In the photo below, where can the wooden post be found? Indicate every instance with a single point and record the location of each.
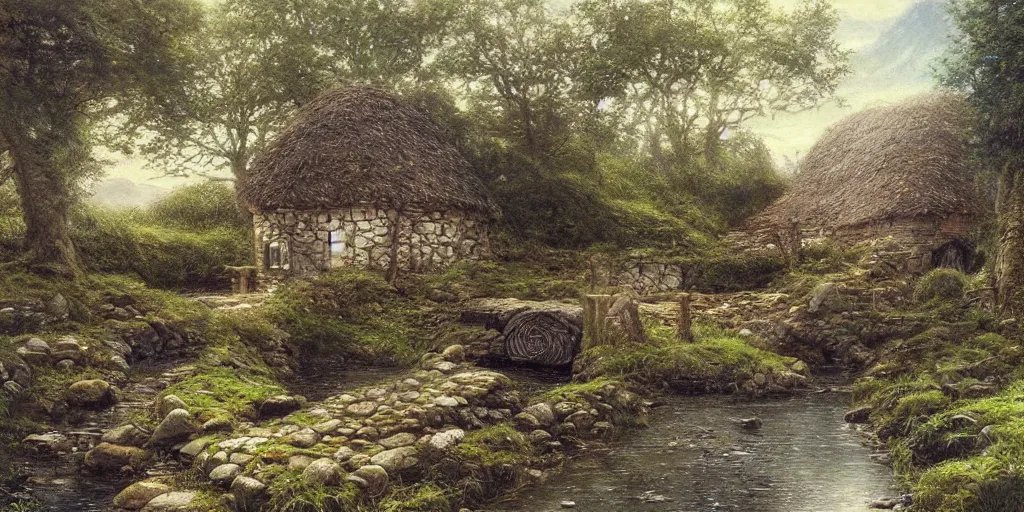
(595, 310)
(684, 328)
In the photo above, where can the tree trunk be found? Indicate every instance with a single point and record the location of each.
(46, 202)
(1010, 261)
(240, 170)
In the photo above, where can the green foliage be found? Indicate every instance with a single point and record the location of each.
(712, 363)
(203, 207)
(290, 493)
(352, 313)
(65, 68)
(941, 284)
(495, 445)
(735, 272)
(121, 242)
(422, 497)
(520, 280)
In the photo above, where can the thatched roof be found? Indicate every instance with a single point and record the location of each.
(902, 161)
(361, 145)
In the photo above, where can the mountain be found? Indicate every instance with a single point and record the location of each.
(904, 54)
(122, 192)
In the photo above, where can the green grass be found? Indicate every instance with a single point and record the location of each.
(715, 360)
(422, 497)
(289, 493)
(355, 314)
(495, 445)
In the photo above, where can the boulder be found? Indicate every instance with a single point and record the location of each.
(107, 457)
(32, 357)
(447, 439)
(225, 474)
(176, 426)
(372, 478)
(37, 345)
(120, 363)
(362, 408)
(299, 462)
(218, 424)
(126, 435)
(177, 501)
(322, 472)
(92, 393)
(526, 421)
(58, 307)
(139, 494)
(343, 454)
(396, 460)
(543, 412)
(249, 492)
(167, 403)
(194, 448)
(49, 444)
(305, 438)
(398, 440)
(280, 405)
(454, 353)
(860, 415)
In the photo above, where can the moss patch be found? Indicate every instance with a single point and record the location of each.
(713, 362)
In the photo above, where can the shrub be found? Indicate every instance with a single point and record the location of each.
(942, 284)
(732, 273)
(118, 241)
(352, 313)
(199, 207)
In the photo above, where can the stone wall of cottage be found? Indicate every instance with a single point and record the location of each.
(363, 237)
(922, 233)
(647, 277)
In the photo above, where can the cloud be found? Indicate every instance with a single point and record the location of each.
(861, 9)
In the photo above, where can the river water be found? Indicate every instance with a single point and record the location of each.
(694, 457)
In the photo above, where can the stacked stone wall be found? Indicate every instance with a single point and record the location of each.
(647, 277)
(923, 233)
(365, 237)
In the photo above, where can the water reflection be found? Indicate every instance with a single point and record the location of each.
(696, 458)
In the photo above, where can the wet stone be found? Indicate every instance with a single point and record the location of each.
(398, 440)
(362, 408)
(225, 474)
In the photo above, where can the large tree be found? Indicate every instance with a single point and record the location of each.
(684, 73)
(262, 59)
(513, 59)
(64, 65)
(987, 64)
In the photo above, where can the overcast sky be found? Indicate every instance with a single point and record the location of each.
(787, 136)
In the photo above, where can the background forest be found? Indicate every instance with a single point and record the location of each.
(616, 123)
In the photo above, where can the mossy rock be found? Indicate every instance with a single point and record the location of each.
(941, 284)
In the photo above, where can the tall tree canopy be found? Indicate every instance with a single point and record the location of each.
(261, 59)
(987, 64)
(64, 65)
(685, 72)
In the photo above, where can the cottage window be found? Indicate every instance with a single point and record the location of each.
(339, 249)
(274, 254)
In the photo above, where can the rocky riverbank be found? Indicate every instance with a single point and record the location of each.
(465, 432)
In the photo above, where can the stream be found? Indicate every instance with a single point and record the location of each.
(695, 458)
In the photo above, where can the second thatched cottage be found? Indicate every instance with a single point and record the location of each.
(900, 171)
(360, 178)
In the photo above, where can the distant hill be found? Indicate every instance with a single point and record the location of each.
(905, 53)
(122, 192)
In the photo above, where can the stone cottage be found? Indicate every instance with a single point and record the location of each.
(899, 171)
(360, 178)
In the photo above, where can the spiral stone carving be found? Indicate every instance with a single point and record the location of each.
(543, 338)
